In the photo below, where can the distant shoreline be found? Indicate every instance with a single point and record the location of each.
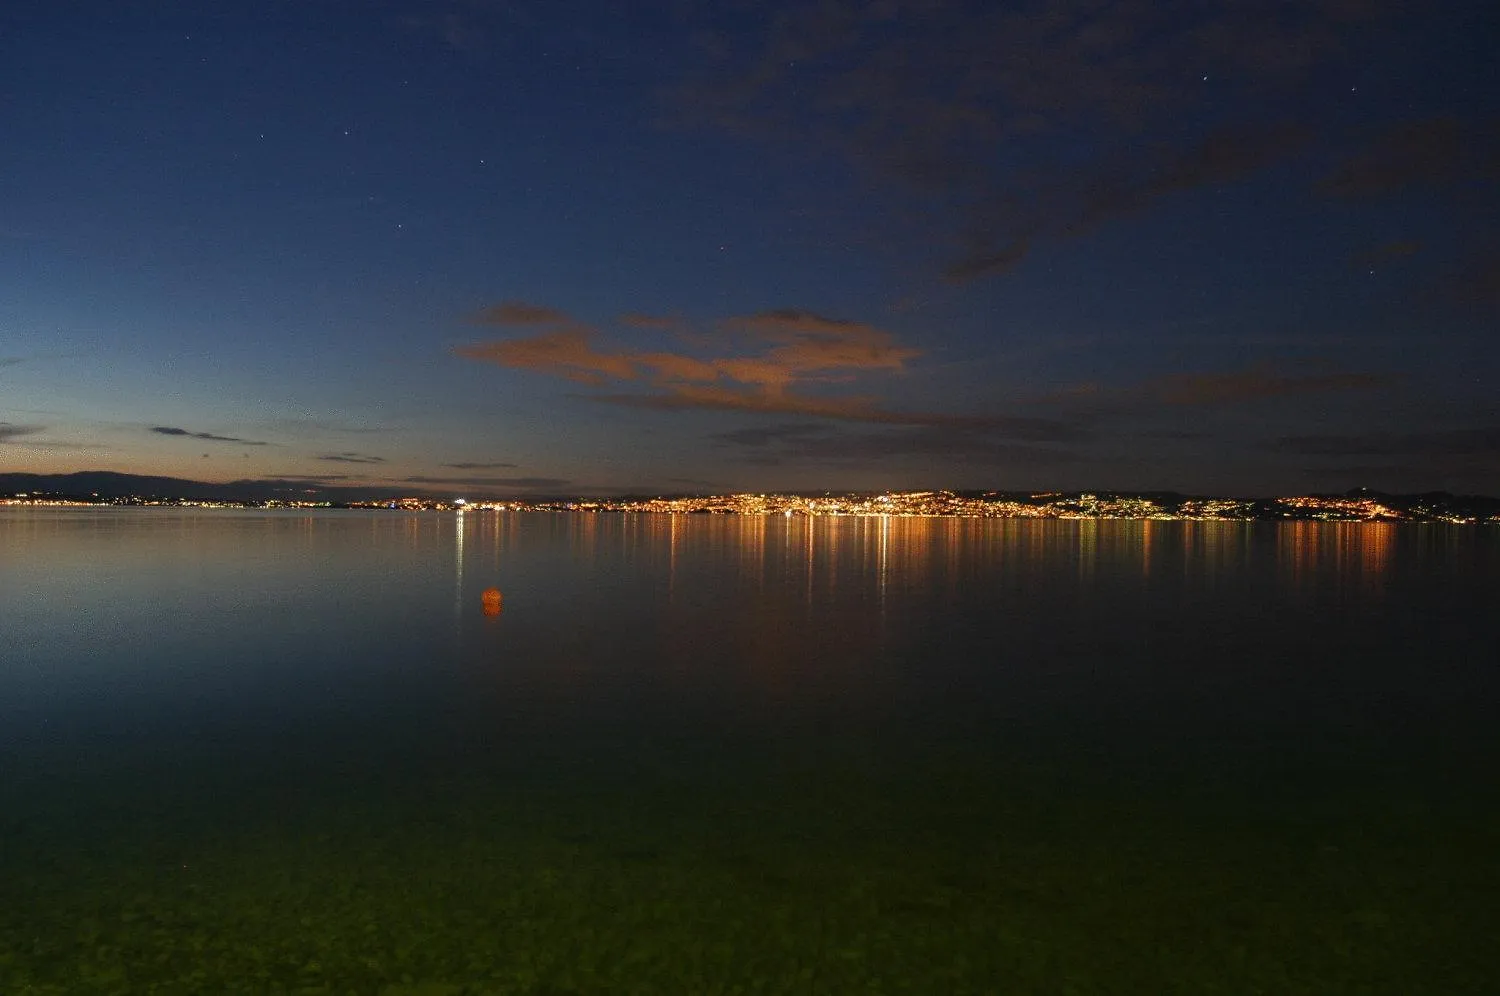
(1057, 506)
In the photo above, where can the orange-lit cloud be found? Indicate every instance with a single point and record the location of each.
(731, 399)
(797, 348)
(812, 343)
(562, 354)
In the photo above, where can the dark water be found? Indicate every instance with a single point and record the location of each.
(250, 752)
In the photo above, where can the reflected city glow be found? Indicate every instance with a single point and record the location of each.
(800, 612)
(793, 611)
(1311, 551)
(458, 562)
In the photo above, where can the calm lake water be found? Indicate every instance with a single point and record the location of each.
(288, 752)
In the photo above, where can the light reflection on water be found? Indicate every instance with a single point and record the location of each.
(170, 613)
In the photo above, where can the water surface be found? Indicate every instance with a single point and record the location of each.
(266, 752)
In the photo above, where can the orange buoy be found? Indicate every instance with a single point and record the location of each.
(491, 600)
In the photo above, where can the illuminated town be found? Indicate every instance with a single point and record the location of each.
(1352, 507)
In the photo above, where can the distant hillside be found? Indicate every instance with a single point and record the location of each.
(107, 484)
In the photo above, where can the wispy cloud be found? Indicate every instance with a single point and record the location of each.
(1003, 229)
(314, 478)
(795, 442)
(1446, 442)
(351, 458)
(169, 430)
(502, 482)
(762, 435)
(1254, 385)
(963, 102)
(479, 466)
(852, 410)
(9, 431)
(1432, 152)
(1212, 388)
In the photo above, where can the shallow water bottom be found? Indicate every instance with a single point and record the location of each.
(810, 865)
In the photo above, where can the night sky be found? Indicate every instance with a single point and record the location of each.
(1239, 246)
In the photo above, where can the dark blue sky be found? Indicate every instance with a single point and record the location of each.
(488, 247)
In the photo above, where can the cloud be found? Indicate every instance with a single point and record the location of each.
(848, 409)
(314, 478)
(1208, 389)
(169, 430)
(803, 442)
(932, 73)
(1254, 385)
(971, 107)
(1448, 442)
(1433, 152)
(1172, 435)
(762, 435)
(788, 348)
(811, 343)
(478, 466)
(11, 361)
(9, 431)
(806, 344)
(711, 397)
(519, 313)
(352, 458)
(984, 259)
(507, 482)
(1003, 230)
(562, 354)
